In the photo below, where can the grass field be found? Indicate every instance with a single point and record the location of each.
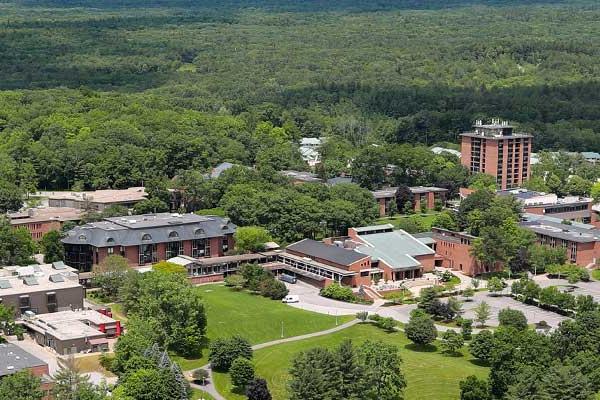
(91, 363)
(430, 374)
(596, 274)
(201, 395)
(256, 318)
(425, 219)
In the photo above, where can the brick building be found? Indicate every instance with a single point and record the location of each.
(495, 149)
(580, 241)
(453, 250)
(325, 263)
(421, 197)
(40, 288)
(147, 239)
(397, 254)
(367, 254)
(39, 221)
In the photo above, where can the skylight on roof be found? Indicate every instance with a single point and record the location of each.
(57, 278)
(4, 284)
(30, 281)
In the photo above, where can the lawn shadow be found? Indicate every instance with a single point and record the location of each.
(479, 363)
(427, 348)
(454, 354)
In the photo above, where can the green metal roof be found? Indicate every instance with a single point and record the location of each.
(396, 248)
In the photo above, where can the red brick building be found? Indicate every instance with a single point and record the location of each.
(397, 254)
(39, 221)
(325, 264)
(581, 242)
(453, 250)
(421, 197)
(369, 254)
(495, 149)
(147, 239)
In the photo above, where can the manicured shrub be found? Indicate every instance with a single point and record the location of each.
(224, 351)
(512, 318)
(420, 329)
(273, 289)
(452, 341)
(241, 372)
(482, 345)
(338, 292)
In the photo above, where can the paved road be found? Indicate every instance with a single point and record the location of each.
(212, 390)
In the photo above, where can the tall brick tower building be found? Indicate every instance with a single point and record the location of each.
(495, 149)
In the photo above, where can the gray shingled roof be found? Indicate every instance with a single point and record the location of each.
(149, 228)
(13, 359)
(338, 255)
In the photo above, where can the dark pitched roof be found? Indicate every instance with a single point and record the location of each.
(314, 249)
(150, 228)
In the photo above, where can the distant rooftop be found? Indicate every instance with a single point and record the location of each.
(15, 280)
(391, 191)
(497, 129)
(44, 214)
(14, 359)
(440, 150)
(106, 196)
(219, 169)
(339, 180)
(300, 176)
(310, 141)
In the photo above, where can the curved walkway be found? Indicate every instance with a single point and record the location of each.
(212, 390)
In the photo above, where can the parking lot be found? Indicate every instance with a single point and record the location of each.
(310, 300)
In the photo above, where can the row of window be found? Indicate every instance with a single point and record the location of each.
(25, 303)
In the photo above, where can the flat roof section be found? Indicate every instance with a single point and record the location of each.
(45, 214)
(25, 280)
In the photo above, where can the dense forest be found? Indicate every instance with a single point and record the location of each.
(112, 95)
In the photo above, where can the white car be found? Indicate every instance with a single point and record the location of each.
(290, 299)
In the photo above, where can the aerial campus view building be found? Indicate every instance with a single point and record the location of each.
(147, 239)
(496, 149)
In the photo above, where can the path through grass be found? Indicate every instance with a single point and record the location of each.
(430, 374)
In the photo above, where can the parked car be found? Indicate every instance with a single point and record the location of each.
(290, 298)
(287, 278)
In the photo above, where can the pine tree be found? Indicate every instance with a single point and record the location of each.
(351, 372)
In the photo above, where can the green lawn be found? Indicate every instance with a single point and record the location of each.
(198, 394)
(429, 374)
(596, 274)
(425, 219)
(256, 318)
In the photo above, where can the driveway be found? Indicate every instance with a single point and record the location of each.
(311, 301)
